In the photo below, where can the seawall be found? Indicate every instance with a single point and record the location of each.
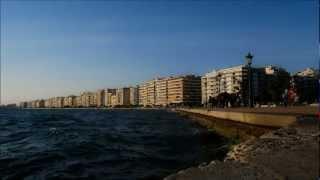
(289, 153)
(284, 150)
(268, 117)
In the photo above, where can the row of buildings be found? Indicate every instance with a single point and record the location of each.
(270, 84)
(267, 85)
(178, 90)
(235, 81)
(126, 96)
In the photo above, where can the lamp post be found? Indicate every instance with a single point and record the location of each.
(249, 58)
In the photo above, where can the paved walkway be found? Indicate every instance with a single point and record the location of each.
(295, 110)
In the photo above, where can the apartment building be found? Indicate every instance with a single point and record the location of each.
(58, 102)
(70, 101)
(161, 92)
(101, 98)
(151, 92)
(179, 90)
(88, 99)
(134, 96)
(234, 80)
(175, 90)
(308, 72)
(147, 93)
(231, 80)
(66, 102)
(114, 100)
(184, 90)
(48, 103)
(142, 94)
(108, 96)
(29, 104)
(34, 104)
(78, 102)
(39, 103)
(123, 96)
(23, 104)
(306, 84)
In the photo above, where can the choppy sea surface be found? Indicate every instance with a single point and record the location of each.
(101, 144)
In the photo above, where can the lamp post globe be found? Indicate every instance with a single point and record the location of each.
(249, 58)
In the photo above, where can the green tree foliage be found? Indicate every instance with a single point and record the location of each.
(276, 85)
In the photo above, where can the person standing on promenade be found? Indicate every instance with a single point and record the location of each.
(285, 97)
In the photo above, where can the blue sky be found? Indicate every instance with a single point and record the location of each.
(57, 48)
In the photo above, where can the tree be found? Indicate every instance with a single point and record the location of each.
(276, 84)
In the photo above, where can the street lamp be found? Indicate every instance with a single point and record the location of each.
(249, 58)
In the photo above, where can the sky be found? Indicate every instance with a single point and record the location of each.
(59, 47)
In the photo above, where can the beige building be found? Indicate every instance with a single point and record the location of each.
(48, 103)
(151, 92)
(114, 100)
(123, 96)
(29, 104)
(235, 80)
(33, 104)
(36, 104)
(108, 96)
(88, 99)
(308, 72)
(70, 101)
(58, 102)
(101, 98)
(40, 103)
(52, 102)
(306, 85)
(228, 80)
(184, 90)
(179, 90)
(162, 92)
(78, 102)
(147, 93)
(66, 102)
(175, 90)
(23, 104)
(134, 96)
(142, 94)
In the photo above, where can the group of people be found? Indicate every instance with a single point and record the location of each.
(224, 100)
(290, 97)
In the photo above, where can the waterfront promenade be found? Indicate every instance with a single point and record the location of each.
(269, 117)
(291, 110)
